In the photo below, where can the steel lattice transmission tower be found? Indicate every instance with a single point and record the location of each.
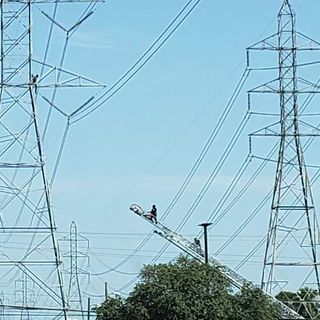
(290, 259)
(25, 207)
(74, 292)
(77, 256)
(31, 276)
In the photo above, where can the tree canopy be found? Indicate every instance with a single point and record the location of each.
(187, 290)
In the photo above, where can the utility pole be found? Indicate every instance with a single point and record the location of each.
(205, 226)
(89, 308)
(105, 291)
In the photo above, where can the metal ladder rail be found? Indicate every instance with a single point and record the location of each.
(190, 248)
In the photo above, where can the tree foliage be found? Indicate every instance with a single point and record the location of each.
(252, 304)
(187, 290)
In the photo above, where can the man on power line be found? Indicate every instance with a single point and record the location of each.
(34, 80)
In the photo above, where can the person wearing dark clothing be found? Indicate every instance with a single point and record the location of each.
(197, 242)
(153, 213)
(34, 80)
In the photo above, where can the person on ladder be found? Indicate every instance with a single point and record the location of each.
(153, 214)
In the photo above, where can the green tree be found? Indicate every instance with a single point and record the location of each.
(187, 290)
(112, 309)
(119, 309)
(252, 304)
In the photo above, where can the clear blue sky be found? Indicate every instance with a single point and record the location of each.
(139, 146)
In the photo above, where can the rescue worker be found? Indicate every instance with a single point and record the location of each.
(197, 242)
(34, 80)
(153, 213)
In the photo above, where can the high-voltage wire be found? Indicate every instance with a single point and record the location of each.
(215, 217)
(61, 62)
(215, 171)
(307, 145)
(248, 220)
(305, 104)
(129, 257)
(262, 241)
(203, 153)
(140, 63)
(208, 143)
(68, 34)
(113, 269)
(200, 158)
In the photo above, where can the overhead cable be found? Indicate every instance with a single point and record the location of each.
(140, 63)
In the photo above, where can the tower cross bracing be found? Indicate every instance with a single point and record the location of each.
(291, 260)
(31, 271)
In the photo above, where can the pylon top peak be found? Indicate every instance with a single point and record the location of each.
(286, 8)
(286, 3)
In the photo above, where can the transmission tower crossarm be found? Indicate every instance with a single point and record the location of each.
(196, 252)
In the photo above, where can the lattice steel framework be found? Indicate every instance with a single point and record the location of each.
(31, 275)
(290, 259)
(77, 255)
(25, 206)
(74, 292)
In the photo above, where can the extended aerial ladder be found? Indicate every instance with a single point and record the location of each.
(196, 252)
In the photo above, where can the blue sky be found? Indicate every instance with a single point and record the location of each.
(140, 145)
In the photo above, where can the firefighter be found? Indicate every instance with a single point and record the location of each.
(153, 213)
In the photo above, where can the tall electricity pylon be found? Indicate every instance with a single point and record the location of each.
(77, 254)
(25, 208)
(290, 259)
(74, 292)
(29, 252)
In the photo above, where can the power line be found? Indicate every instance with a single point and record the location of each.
(199, 160)
(183, 14)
